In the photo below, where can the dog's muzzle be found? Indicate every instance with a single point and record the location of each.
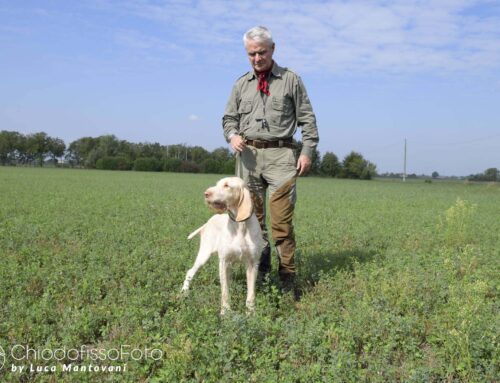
(218, 206)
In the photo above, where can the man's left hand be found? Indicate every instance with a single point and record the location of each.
(303, 164)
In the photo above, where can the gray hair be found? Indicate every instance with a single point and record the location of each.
(258, 34)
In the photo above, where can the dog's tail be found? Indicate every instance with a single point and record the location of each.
(197, 231)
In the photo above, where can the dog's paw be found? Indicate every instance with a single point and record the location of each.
(184, 292)
(250, 308)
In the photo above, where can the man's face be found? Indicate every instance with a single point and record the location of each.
(260, 55)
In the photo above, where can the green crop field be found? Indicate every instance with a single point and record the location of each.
(400, 281)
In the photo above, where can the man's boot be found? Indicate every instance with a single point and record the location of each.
(289, 285)
(265, 264)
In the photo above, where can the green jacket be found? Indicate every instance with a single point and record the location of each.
(256, 116)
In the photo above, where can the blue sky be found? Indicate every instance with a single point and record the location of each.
(377, 72)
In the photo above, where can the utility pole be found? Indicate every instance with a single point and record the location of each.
(404, 165)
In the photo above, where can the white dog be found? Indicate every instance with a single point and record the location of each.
(234, 236)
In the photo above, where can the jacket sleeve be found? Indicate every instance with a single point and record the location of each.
(306, 119)
(231, 118)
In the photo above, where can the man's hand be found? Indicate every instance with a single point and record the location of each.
(237, 143)
(303, 164)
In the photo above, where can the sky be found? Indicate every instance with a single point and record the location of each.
(377, 72)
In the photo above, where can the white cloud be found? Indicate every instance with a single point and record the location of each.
(336, 36)
(151, 47)
(193, 117)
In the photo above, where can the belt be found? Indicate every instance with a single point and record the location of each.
(261, 144)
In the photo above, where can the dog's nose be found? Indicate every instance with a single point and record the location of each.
(207, 194)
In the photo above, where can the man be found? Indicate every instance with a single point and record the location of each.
(262, 114)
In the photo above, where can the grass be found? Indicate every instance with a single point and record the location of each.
(401, 281)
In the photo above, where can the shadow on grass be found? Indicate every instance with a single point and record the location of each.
(313, 266)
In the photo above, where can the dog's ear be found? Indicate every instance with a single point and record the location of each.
(245, 209)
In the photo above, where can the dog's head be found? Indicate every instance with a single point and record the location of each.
(230, 194)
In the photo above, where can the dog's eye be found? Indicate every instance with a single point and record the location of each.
(226, 186)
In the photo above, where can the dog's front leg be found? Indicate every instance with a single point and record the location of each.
(224, 275)
(202, 258)
(251, 278)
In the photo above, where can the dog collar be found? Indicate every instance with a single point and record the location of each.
(233, 218)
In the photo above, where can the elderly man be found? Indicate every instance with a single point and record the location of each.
(265, 107)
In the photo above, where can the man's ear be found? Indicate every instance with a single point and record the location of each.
(244, 206)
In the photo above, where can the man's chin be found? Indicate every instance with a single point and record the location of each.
(260, 69)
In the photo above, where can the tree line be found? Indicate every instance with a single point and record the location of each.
(110, 153)
(489, 175)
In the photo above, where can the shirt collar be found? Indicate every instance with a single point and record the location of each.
(276, 71)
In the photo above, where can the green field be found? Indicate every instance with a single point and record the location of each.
(401, 282)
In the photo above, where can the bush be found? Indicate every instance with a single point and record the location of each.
(172, 165)
(113, 163)
(212, 166)
(147, 164)
(229, 166)
(189, 167)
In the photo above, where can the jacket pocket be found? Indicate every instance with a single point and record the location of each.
(244, 110)
(282, 109)
(245, 106)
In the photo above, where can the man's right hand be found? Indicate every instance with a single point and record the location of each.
(237, 143)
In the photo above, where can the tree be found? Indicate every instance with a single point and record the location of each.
(221, 154)
(11, 146)
(177, 151)
(198, 154)
(330, 165)
(148, 150)
(78, 151)
(435, 174)
(492, 174)
(56, 148)
(315, 158)
(355, 166)
(107, 146)
(128, 150)
(37, 147)
(489, 175)
(219, 162)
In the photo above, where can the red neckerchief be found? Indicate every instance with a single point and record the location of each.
(263, 84)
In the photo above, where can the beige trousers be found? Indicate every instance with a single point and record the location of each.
(272, 169)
